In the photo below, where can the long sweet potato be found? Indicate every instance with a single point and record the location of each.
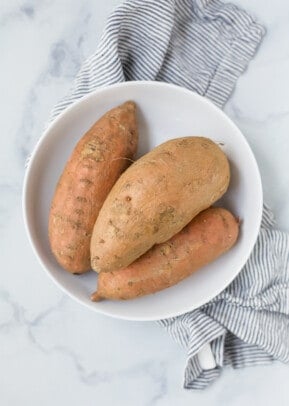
(155, 198)
(209, 235)
(97, 161)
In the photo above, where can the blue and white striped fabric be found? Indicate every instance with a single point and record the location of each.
(248, 323)
(203, 45)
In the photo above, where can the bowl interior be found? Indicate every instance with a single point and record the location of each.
(164, 112)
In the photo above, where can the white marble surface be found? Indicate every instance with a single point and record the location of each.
(53, 351)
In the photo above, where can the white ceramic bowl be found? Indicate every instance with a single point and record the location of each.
(165, 111)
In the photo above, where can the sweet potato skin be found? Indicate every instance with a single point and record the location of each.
(97, 161)
(210, 234)
(155, 198)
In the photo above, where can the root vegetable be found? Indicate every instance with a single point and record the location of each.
(155, 198)
(209, 235)
(97, 161)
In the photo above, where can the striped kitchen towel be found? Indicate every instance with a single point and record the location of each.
(203, 45)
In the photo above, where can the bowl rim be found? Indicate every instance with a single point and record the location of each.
(29, 171)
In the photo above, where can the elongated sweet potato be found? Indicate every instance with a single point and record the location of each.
(210, 234)
(97, 161)
(155, 198)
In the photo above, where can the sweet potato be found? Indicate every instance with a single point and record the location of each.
(206, 237)
(97, 161)
(155, 198)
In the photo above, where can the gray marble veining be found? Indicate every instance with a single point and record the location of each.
(53, 351)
